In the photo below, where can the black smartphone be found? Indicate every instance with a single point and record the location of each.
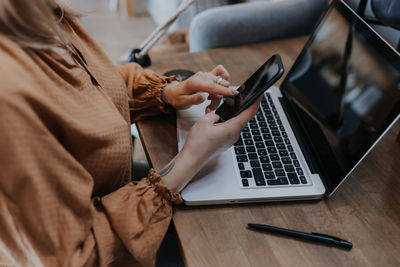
(250, 90)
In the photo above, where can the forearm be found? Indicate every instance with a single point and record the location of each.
(178, 173)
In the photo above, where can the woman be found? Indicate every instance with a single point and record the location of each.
(65, 193)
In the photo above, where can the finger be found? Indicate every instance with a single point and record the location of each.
(224, 83)
(221, 71)
(239, 122)
(215, 77)
(211, 117)
(217, 89)
(194, 99)
(215, 102)
(205, 82)
(211, 96)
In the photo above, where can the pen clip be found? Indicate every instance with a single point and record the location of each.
(329, 236)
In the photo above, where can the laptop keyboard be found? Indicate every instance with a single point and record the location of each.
(264, 154)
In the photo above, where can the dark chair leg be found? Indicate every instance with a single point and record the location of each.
(140, 169)
(170, 252)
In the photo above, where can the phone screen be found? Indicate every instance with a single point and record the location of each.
(250, 90)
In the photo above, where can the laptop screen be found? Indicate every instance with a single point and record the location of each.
(344, 90)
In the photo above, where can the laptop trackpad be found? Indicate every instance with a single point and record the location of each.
(216, 179)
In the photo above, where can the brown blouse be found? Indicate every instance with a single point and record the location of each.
(65, 159)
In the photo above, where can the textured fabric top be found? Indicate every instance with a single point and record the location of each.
(65, 158)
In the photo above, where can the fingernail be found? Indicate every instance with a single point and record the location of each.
(208, 110)
(234, 92)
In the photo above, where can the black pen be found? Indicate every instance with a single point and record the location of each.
(316, 237)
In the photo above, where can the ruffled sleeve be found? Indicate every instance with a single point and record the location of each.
(140, 215)
(144, 91)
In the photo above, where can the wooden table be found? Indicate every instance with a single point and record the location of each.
(365, 210)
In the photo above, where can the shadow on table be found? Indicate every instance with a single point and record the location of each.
(170, 253)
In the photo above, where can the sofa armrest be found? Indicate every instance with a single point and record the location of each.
(253, 22)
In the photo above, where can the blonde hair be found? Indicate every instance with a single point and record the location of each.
(36, 24)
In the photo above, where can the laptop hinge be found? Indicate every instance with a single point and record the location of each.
(302, 140)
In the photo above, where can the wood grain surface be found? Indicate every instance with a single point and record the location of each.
(365, 210)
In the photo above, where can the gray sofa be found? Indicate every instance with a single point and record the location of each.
(391, 34)
(161, 10)
(264, 20)
(252, 22)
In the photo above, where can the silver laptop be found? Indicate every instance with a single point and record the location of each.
(340, 97)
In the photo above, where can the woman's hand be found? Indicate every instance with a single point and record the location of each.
(205, 139)
(182, 95)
